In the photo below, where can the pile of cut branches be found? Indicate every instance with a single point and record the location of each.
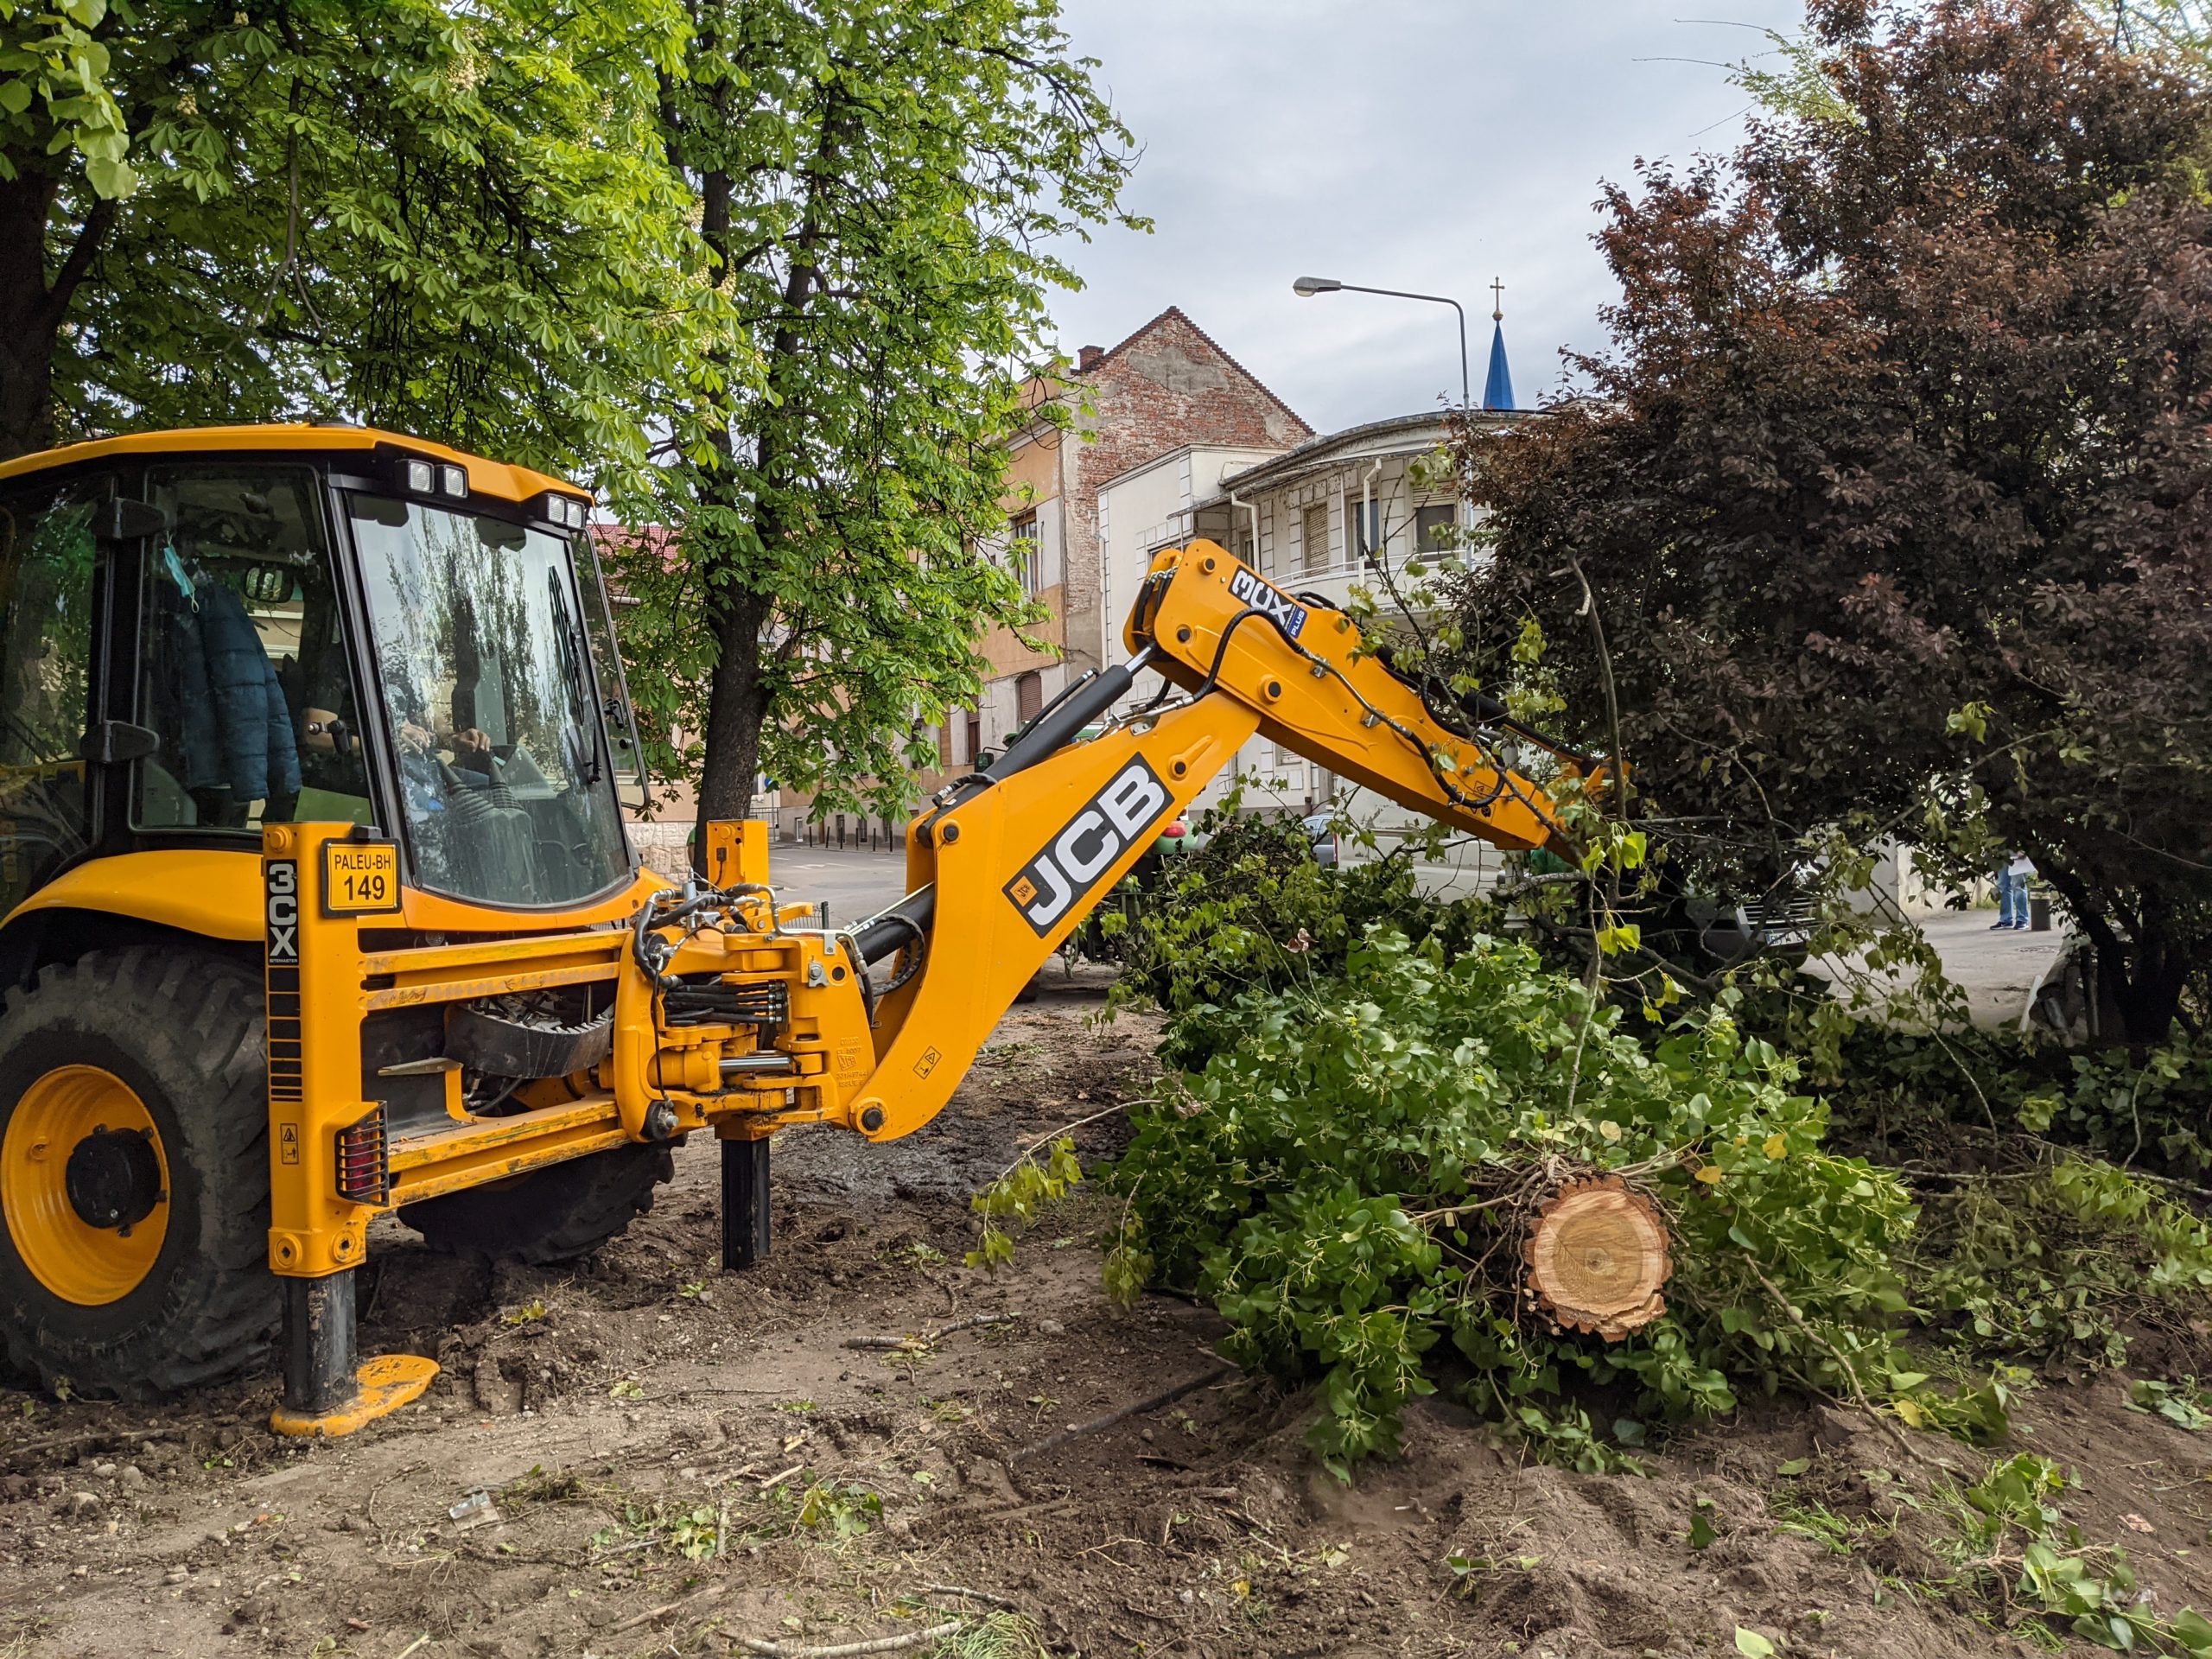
(1354, 1175)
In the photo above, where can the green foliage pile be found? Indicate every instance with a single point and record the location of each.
(2058, 1265)
(1250, 910)
(2011, 1518)
(1353, 1170)
(2149, 1108)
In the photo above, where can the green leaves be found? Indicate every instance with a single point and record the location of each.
(879, 188)
(1354, 1166)
(54, 95)
(459, 222)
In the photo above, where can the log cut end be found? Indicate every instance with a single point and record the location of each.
(1597, 1257)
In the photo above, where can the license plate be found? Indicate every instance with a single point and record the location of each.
(360, 878)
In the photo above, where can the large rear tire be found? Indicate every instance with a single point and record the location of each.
(134, 1174)
(554, 1214)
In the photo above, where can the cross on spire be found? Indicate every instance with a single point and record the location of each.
(1498, 300)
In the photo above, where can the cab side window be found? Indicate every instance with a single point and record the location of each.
(48, 552)
(243, 677)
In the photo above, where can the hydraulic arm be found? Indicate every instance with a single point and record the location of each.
(1006, 862)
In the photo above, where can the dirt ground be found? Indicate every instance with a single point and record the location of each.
(641, 1455)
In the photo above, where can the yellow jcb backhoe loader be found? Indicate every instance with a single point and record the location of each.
(318, 904)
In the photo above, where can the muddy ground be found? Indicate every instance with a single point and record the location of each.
(640, 1455)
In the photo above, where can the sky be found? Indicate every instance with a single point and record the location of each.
(1433, 145)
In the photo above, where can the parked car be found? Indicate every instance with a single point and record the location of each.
(1322, 836)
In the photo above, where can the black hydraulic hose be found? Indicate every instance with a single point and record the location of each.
(906, 922)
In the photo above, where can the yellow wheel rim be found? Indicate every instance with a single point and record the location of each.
(80, 1111)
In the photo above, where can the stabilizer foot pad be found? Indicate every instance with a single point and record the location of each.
(386, 1383)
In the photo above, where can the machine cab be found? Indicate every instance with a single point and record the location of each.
(203, 633)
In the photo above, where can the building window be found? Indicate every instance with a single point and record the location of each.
(1435, 528)
(1027, 557)
(1363, 528)
(1028, 697)
(973, 724)
(1314, 551)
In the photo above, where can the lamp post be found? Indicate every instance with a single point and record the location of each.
(1306, 287)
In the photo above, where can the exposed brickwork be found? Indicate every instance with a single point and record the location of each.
(1167, 384)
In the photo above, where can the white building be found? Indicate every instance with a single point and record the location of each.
(1336, 512)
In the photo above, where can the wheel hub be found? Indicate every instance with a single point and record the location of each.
(85, 1185)
(113, 1179)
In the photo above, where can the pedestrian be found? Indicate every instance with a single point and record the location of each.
(2012, 877)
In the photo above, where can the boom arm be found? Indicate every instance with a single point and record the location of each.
(1217, 628)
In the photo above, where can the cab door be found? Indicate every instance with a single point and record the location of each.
(52, 567)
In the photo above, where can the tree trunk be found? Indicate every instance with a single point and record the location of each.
(29, 322)
(2147, 987)
(2141, 966)
(737, 702)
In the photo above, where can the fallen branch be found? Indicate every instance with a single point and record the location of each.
(1165, 1398)
(973, 1595)
(712, 1593)
(921, 1342)
(83, 1437)
(771, 1649)
(1850, 1373)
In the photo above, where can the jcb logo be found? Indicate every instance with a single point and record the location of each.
(1288, 614)
(283, 910)
(1069, 865)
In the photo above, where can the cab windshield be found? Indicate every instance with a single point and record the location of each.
(479, 646)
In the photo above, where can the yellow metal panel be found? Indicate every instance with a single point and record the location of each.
(429, 912)
(557, 1126)
(383, 1386)
(492, 478)
(215, 894)
(441, 959)
(1017, 866)
(468, 990)
(737, 852)
(312, 965)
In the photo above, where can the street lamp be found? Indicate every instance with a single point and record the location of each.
(1306, 287)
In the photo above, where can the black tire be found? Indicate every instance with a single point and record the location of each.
(554, 1214)
(183, 1028)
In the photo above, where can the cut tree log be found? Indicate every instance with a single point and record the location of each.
(1596, 1256)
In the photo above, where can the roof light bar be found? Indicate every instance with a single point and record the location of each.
(566, 511)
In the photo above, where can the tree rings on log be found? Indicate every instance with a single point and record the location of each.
(1596, 1256)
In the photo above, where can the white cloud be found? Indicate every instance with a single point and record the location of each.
(1423, 144)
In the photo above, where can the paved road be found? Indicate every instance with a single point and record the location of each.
(856, 884)
(1995, 970)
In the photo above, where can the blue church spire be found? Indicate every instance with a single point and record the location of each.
(1497, 390)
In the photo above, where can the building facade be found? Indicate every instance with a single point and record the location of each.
(1156, 421)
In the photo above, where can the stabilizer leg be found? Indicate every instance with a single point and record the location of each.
(745, 1203)
(328, 1388)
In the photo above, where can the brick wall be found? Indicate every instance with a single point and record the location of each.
(1165, 386)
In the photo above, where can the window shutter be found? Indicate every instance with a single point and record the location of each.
(1315, 553)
